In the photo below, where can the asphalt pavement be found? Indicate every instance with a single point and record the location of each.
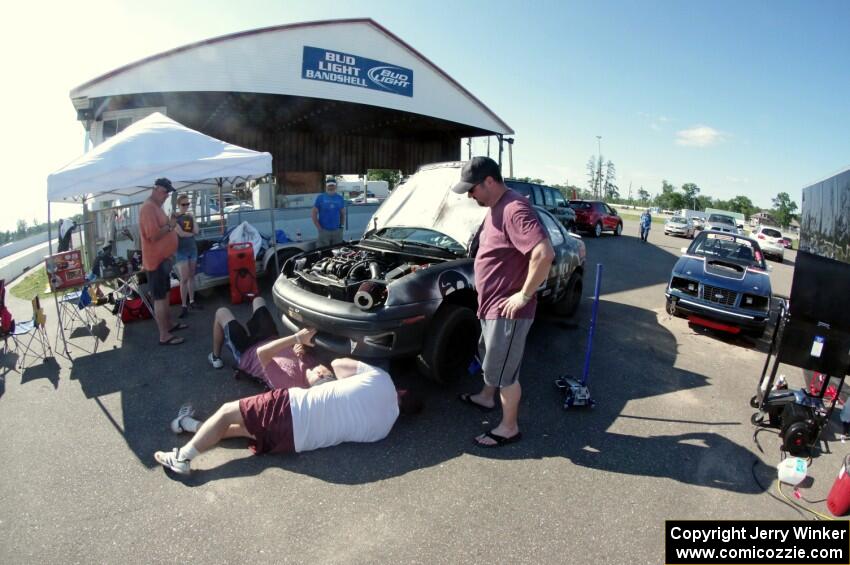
(669, 438)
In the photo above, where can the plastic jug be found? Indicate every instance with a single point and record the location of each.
(792, 470)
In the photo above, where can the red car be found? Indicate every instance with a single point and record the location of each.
(595, 216)
(786, 241)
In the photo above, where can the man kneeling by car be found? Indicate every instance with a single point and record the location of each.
(356, 402)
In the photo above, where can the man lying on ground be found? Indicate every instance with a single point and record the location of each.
(258, 351)
(359, 404)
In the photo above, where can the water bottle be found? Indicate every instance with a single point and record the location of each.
(792, 470)
(298, 235)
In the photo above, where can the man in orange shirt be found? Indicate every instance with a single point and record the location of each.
(159, 243)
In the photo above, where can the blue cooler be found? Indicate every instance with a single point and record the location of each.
(213, 262)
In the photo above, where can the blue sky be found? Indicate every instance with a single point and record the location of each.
(738, 97)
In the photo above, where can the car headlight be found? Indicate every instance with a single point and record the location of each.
(682, 284)
(755, 302)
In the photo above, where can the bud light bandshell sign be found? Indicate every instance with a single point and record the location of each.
(344, 68)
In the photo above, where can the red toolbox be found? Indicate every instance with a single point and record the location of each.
(243, 272)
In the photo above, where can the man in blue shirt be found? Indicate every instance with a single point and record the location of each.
(329, 215)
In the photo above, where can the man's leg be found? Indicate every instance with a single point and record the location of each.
(486, 397)
(223, 316)
(163, 319)
(225, 423)
(258, 303)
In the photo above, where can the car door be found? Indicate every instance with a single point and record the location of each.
(610, 217)
(558, 271)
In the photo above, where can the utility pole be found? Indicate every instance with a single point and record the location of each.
(598, 184)
(510, 142)
(488, 145)
(469, 147)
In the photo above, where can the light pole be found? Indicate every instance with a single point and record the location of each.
(598, 183)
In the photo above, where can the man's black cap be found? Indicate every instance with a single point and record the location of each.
(475, 171)
(164, 183)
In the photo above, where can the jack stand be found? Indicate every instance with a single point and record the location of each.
(576, 393)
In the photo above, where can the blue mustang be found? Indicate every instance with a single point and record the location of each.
(722, 278)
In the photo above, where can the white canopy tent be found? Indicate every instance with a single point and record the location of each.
(156, 146)
(153, 147)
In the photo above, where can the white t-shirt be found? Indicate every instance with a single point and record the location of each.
(360, 408)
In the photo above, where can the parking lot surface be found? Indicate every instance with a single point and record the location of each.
(669, 438)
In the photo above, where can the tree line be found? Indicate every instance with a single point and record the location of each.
(25, 229)
(601, 185)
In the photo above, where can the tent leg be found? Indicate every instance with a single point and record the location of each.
(272, 209)
(60, 329)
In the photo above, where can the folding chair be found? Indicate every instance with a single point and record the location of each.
(37, 335)
(76, 307)
(7, 322)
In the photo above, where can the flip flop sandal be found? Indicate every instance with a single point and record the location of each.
(467, 399)
(179, 326)
(173, 340)
(500, 440)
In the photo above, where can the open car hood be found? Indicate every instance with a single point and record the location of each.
(426, 200)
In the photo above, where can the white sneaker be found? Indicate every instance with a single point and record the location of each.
(216, 362)
(185, 410)
(172, 461)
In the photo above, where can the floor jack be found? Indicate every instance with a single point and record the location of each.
(800, 415)
(576, 393)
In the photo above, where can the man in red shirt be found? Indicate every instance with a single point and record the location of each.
(159, 243)
(513, 259)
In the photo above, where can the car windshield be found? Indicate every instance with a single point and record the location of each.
(726, 247)
(420, 237)
(721, 219)
(678, 220)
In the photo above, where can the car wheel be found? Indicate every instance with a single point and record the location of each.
(619, 229)
(568, 305)
(597, 229)
(450, 344)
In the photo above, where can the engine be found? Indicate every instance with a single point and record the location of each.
(354, 275)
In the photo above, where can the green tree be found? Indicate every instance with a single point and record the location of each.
(643, 196)
(391, 176)
(669, 199)
(22, 227)
(690, 191)
(783, 209)
(743, 205)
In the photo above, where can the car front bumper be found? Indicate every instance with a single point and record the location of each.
(344, 329)
(746, 319)
(675, 230)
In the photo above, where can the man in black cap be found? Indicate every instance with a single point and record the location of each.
(513, 259)
(159, 243)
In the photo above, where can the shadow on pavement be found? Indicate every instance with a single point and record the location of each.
(621, 270)
(49, 370)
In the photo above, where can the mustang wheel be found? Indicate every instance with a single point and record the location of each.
(450, 344)
(597, 229)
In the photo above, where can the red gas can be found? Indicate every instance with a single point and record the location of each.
(838, 500)
(243, 272)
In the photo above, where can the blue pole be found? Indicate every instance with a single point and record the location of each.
(586, 371)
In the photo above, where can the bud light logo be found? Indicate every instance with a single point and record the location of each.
(352, 70)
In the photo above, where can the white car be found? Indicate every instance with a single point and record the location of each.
(679, 225)
(771, 241)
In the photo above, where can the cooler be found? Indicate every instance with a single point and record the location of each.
(243, 272)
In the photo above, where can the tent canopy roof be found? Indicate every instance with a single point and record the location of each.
(280, 61)
(154, 147)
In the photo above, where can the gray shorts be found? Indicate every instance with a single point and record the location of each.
(329, 237)
(500, 350)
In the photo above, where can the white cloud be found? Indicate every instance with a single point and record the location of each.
(699, 136)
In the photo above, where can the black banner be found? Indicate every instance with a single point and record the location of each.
(762, 542)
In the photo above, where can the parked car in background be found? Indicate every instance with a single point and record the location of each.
(407, 289)
(679, 225)
(548, 198)
(786, 241)
(771, 241)
(722, 278)
(596, 216)
(699, 223)
(722, 223)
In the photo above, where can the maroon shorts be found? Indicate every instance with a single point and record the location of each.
(268, 418)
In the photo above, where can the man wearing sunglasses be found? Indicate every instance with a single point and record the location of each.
(159, 242)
